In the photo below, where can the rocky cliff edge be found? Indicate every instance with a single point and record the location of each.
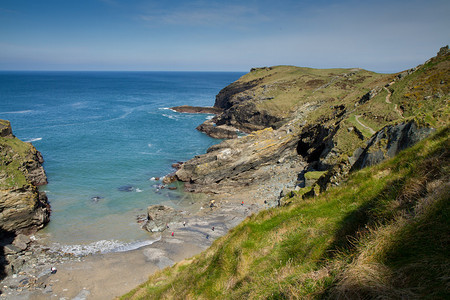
(23, 208)
(323, 124)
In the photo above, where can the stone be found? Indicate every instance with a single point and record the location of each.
(125, 188)
(11, 249)
(158, 216)
(387, 142)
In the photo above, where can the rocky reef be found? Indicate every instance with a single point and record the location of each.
(23, 208)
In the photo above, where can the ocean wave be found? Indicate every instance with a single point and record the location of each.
(166, 108)
(209, 117)
(100, 247)
(17, 112)
(170, 117)
(33, 140)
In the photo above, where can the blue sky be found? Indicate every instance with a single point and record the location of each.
(382, 36)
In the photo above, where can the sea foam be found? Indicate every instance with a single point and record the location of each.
(33, 140)
(100, 247)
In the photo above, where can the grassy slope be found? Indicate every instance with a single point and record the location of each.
(382, 234)
(15, 154)
(282, 89)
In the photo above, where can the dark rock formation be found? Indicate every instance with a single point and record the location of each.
(387, 142)
(247, 118)
(23, 208)
(217, 131)
(229, 95)
(197, 109)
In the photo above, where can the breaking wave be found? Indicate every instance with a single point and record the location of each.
(100, 247)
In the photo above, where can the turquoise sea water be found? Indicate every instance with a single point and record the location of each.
(105, 135)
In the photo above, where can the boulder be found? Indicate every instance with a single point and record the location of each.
(158, 216)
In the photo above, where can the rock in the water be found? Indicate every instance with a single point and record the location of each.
(125, 188)
(95, 199)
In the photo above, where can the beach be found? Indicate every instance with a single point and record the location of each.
(109, 275)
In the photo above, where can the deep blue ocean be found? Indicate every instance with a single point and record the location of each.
(104, 136)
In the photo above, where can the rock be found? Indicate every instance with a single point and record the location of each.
(387, 142)
(197, 109)
(11, 249)
(5, 129)
(168, 179)
(158, 216)
(125, 188)
(372, 93)
(22, 238)
(96, 199)
(217, 132)
(21, 245)
(238, 163)
(177, 165)
(24, 208)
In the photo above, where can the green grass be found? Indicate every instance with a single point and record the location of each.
(15, 155)
(382, 234)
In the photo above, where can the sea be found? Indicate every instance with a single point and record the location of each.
(106, 138)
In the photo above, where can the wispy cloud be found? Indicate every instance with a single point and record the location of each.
(214, 14)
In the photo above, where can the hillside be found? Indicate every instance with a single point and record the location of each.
(326, 127)
(358, 193)
(384, 233)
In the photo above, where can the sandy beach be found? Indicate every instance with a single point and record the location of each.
(106, 276)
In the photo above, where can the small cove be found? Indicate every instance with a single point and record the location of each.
(104, 136)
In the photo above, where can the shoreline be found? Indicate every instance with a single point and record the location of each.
(109, 275)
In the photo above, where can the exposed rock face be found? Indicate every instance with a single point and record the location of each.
(217, 131)
(247, 117)
(239, 111)
(22, 207)
(242, 162)
(230, 95)
(325, 133)
(388, 142)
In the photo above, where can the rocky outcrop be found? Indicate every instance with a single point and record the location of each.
(388, 142)
(159, 217)
(197, 109)
(321, 138)
(247, 118)
(232, 94)
(245, 162)
(217, 131)
(23, 208)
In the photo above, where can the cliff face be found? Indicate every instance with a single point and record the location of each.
(22, 207)
(325, 122)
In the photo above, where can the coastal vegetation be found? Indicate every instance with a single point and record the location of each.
(368, 215)
(384, 233)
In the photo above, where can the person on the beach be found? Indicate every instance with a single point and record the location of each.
(184, 223)
(172, 233)
(213, 228)
(242, 203)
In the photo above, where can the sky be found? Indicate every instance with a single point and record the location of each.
(209, 35)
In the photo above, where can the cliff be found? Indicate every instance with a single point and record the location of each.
(361, 163)
(327, 121)
(23, 207)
